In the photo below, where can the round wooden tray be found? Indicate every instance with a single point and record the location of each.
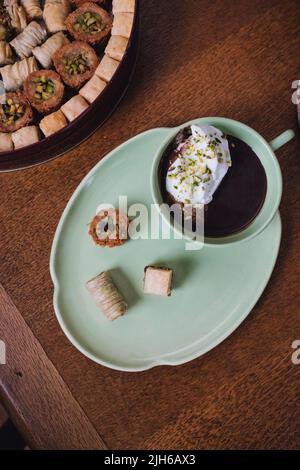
(82, 127)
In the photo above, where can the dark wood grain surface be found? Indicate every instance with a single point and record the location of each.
(233, 58)
(44, 407)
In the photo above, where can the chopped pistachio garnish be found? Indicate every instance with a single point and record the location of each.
(11, 111)
(44, 88)
(89, 22)
(202, 161)
(76, 64)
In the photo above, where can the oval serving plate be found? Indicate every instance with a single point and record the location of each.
(85, 124)
(214, 289)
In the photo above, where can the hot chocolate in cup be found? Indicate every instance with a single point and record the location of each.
(248, 196)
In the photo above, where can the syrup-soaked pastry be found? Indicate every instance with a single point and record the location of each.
(44, 90)
(55, 13)
(109, 228)
(107, 68)
(52, 123)
(33, 35)
(74, 107)
(17, 14)
(6, 143)
(106, 296)
(45, 52)
(92, 89)
(76, 63)
(123, 6)
(25, 136)
(15, 74)
(122, 25)
(158, 280)
(15, 112)
(32, 8)
(89, 23)
(116, 47)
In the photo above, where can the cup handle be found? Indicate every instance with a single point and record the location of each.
(282, 139)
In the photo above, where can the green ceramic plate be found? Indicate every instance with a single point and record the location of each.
(214, 289)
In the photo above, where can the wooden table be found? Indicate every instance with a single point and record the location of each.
(234, 58)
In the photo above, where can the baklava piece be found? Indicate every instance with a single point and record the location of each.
(109, 228)
(74, 107)
(89, 23)
(32, 8)
(92, 89)
(55, 13)
(158, 281)
(32, 36)
(15, 112)
(122, 25)
(46, 51)
(52, 123)
(6, 143)
(116, 47)
(123, 6)
(76, 63)
(45, 90)
(107, 68)
(106, 296)
(14, 75)
(25, 136)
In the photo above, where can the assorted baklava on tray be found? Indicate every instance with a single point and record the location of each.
(56, 58)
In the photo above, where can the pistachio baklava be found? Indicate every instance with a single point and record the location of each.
(76, 63)
(44, 90)
(89, 23)
(15, 112)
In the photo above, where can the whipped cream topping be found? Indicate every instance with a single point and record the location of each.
(203, 161)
